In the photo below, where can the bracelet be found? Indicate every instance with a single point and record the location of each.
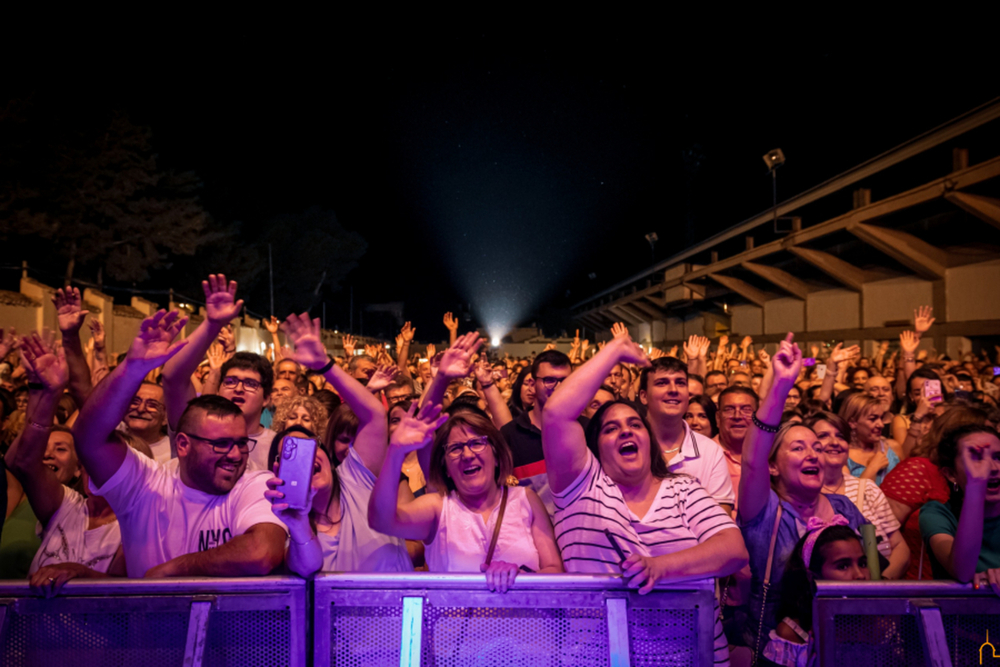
(323, 371)
(301, 544)
(484, 387)
(767, 428)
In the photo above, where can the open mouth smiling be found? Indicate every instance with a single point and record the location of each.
(629, 448)
(810, 470)
(471, 470)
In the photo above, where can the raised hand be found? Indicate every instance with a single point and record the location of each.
(44, 361)
(840, 354)
(657, 353)
(272, 325)
(68, 309)
(584, 346)
(746, 342)
(416, 429)
(696, 347)
(922, 319)
(227, 339)
(8, 341)
(723, 342)
(549, 346)
(431, 350)
(217, 356)
(382, 377)
(450, 323)
(221, 306)
(305, 335)
(630, 352)
(97, 334)
(909, 341)
(152, 347)
(672, 352)
(484, 372)
(348, 342)
(815, 351)
(787, 362)
(457, 359)
(407, 332)
(884, 346)
(400, 342)
(618, 329)
(764, 357)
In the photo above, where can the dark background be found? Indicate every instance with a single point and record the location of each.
(489, 170)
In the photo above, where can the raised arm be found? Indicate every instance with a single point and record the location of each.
(109, 401)
(417, 519)
(908, 343)
(373, 429)
(959, 555)
(696, 349)
(499, 412)
(403, 341)
(451, 324)
(47, 367)
(834, 364)
(221, 307)
(755, 478)
(71, 317)
(563, 441)
(99, 361)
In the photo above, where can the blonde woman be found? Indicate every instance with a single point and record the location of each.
(304, 411)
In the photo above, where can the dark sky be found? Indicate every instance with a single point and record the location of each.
(498, 167)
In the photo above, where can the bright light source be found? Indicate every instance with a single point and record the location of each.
(495, 341)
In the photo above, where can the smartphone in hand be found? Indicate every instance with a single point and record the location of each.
(932, 391)
(820, 371)
(298, 456)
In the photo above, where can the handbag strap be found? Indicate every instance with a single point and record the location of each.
(767, 583)
(770, 549)
(496, 528)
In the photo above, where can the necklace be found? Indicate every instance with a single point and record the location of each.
(671, 451)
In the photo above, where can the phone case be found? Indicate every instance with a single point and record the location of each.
(298, 456)
(820, 371)
(932, 390)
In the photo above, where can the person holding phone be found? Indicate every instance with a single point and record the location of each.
(333, 533)
(613, 477)
(871, 455)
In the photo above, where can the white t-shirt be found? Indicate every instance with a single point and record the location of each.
(875, 508)
(463, 538)
(682, 516)
(356, 547)
(258, 456)
(161, 450)
(162, 518)
(67, 540)
(703, 459)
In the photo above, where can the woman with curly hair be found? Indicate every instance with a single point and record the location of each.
(304, 411)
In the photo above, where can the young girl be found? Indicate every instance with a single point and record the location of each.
(829, 551)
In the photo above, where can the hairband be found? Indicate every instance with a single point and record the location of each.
(814, 527)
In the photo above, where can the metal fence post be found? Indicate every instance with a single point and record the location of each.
(197, 630)
(413, 625)
(617, 609)
(932, 633)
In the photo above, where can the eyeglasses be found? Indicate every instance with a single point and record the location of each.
(475, 446)
(395, 400)
(744, 411)
(231, 382)
(550, 382)
(225, 445)
(151, 404)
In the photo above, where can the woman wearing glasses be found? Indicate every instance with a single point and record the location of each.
(473, 522)
(334, 534)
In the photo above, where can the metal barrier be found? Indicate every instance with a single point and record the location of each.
(148, 623)
(939, 623)
(453, 620)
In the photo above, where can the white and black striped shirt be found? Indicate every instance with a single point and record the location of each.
(682, 516)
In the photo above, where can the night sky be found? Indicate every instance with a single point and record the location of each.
(499, 168)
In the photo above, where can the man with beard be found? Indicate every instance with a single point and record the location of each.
(145, 419)
(204, 516)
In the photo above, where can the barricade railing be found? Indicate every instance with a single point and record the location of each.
(939, 623)
(454, 620)
(241, 622)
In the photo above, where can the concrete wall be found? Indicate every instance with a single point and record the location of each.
(783, 315)
(972, 292)
(675, 328)
(895, 299)
(694, 325)
(747, 320)
(833, 309)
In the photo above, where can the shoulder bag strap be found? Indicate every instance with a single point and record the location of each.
(767, 581)
(496, 528)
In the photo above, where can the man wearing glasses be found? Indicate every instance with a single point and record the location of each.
(145, 419)
(247, 378)
(524, 434)
(204, 516)
(736, 407)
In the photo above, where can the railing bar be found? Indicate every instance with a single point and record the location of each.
(932, 634)
(197, 631)
(413, 625)
(618, 632)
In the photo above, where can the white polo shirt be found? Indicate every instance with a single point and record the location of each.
(702, 458)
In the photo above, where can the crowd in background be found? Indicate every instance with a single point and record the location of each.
(766, 472)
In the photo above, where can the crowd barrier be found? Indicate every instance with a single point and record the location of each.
(558, 620)
(358, 620)
(937, 623)
(245, 622)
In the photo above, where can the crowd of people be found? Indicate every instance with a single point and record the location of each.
(710, 461)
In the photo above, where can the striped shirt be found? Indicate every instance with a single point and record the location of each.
(875, 508)
(682, 516)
